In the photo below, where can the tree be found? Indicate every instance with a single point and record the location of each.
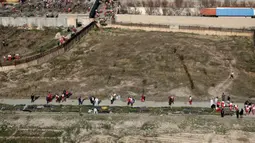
(251, 3)
(234, 3)
(150, 3)
(157, 3)
(205, 3)
(164, 3)
(242, 4)
(227, 3)
(178, 3)
(144, 3)
(212, 3)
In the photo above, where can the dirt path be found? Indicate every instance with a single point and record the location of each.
(107, 103)
(225, 84)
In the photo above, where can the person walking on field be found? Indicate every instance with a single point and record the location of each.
(80, 101)
(171, 100)
(223, 96)
(237, 111)
(113, 98)
(232, 75)
(190, 100)
(143, 98)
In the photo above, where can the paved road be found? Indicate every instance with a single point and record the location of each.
(41, 101)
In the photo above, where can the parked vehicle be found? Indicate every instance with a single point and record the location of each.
(228, 12)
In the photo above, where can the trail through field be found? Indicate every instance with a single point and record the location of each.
(138, 103)
(224, 85)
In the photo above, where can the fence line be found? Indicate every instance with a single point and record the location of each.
(184, 27)
(46, 55)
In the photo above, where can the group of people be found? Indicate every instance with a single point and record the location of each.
(249, 108)
(106, 12)
(11, 57)
(94, 100)
(220, 106)
(59, 98)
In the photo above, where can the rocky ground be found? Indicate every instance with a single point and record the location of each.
(123, 61)
(135, 128)
(39, 8)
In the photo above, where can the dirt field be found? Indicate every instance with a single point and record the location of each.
(26, 42)
(135, 128)
(125, 61)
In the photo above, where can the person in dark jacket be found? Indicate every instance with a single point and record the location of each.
(32, 98)
(223, 96)
(241, 113)
(80, 101)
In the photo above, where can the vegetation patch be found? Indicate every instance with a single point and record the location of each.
(29, 133)
(6, 131)
(53, 133)
(29, 140)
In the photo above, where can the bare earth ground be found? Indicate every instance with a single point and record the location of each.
(135, 128)
(26, 42)
(122, 61)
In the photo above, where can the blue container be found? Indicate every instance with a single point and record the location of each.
(235, 12)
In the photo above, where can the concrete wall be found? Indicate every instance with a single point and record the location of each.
(64, 21)
(225, 22)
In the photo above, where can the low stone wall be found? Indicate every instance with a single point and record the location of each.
(186, 29)
(47, 55)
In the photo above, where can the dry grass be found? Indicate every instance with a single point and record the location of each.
(129, 127)
(26, 42)
(114, 60)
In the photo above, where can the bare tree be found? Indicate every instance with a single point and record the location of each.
(218, 3)
(251, 3)
(242, 4)
(138, 4)
(164, 3)
(157, 3)
(150, 3)
(212, 3)
(144, 3)
(178, 3)
(234, 3)
(227, 3)
(186, 4)
(205, 3)
(149, 10)
(130, 4)
(189, 3)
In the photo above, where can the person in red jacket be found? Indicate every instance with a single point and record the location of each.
(171, 100)
(143, 98)
(222, 104)
(49, 97)
(190, 100)
(230, 106)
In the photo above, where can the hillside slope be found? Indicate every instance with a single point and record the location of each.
(122, 61)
